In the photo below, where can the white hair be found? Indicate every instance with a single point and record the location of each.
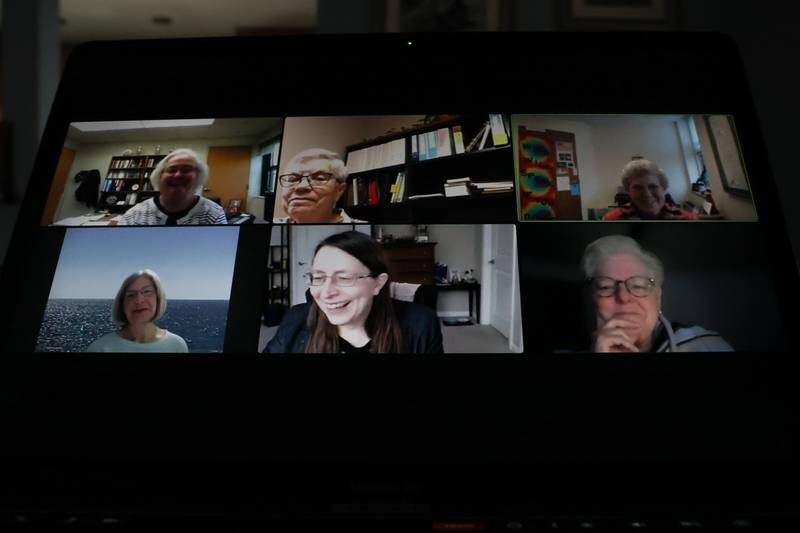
(604, 247)
(337, 166)
(202, 168)
(118, 309)
(642, 167)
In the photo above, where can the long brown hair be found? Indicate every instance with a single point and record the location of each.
(381, 326)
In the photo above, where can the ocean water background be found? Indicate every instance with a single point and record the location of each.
(70, 325)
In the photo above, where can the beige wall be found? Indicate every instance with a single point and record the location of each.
(459, 247)
(731, 206)
(98, 156)
(332, 133)
(605, 144)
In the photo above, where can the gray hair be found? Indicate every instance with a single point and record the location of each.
(118, 309)
(338, 168)
(604, 247)
(642, 167)
(202, 168)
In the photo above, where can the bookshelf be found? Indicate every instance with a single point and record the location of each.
(409, 176)
(278, 277)
(127, 181)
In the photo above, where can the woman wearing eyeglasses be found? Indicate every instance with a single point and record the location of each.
(626, 283)
(179, 179)
(311, 184)
(350, 310)
(140, 301)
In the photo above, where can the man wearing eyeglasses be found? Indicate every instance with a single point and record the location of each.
(311, 185)
(178, 178)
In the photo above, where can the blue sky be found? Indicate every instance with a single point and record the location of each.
(194, 263)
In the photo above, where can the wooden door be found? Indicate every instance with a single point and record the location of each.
(228, 174)
(59, 183)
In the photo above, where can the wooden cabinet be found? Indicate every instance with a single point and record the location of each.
(127, 181)
(411, 262)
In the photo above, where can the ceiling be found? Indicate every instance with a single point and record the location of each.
(252, 129)
(87, 20)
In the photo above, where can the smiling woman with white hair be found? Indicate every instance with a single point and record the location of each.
(312, 183)
(140, 301)
(179, 178)
(626, 285)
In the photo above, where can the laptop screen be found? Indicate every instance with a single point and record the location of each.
(530, 247)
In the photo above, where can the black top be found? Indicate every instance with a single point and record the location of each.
(172, 218)
(346, 347)
(419, 324)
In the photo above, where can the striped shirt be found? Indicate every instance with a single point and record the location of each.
(147, 213)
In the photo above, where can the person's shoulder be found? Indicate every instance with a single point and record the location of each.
(289, 338)
(174, 343)
(699, 339)
(614, 214)
(104, 343)
(344, 218)
(143, 213)
(210, 205)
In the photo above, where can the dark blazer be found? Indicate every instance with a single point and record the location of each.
(419, 324)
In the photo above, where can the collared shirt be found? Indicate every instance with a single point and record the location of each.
(341, 217)
(147, 213)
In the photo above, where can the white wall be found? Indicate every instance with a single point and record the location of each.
(731, 206)
(459, 247)
(332, 133)
(605, 144)
(98, 156)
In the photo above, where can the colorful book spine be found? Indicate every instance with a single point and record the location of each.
(458, 139)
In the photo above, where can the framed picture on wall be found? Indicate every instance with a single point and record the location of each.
(722, 133)
(618, 14)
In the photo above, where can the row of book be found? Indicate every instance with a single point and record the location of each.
(123, 174)
(433, 144)
(117, 185)
(448, 141)
(370, 191)
(134, 162)
(379, 156)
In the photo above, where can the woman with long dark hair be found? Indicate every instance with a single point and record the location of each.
(350, 309)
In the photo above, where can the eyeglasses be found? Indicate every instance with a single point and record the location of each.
(183, 169)
(315, 179)
(638, 286)
(315, 279)
(130, 294)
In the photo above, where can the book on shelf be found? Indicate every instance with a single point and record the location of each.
(457, 190)
(494, 184)
(443, 145)
(484, 136)
(458, 139)
(374, 196)
(422, 196)
(477, 138)
(397, 188)
(432, 142)
(381, 155)
(414, 149)
(499, 133)
(458, 187)
(496, 190)
(423, 147)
